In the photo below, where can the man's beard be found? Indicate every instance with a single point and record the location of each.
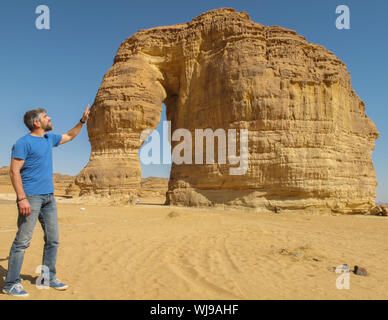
(48, 128)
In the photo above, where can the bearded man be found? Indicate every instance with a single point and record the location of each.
(31, 174)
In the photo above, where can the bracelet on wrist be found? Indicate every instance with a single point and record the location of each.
(18, 200)
(82, 121)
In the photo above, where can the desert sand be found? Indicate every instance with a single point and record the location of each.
(151, 251)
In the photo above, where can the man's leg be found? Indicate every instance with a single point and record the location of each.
(26, 225)
(49, 221)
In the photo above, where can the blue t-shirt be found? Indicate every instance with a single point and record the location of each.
(37, 170)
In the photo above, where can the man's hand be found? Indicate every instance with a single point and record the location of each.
(24, 207)
(16, 179)
(85, 116)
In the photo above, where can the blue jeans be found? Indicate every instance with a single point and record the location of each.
(44, 209)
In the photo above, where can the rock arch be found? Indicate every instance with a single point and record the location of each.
(310, 141)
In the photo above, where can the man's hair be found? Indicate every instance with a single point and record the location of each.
(31, 116)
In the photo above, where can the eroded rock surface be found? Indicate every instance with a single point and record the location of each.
(153, 187)
(310, 141)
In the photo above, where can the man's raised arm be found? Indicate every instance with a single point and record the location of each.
(70, 135)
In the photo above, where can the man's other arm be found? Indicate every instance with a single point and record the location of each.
(16, 179)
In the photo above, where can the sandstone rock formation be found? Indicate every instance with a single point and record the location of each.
(4, 176)
(310, 141)
(153, 188)
(380, 210)
(62, 182)
(72, 190)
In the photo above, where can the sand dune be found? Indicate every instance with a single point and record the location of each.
(160, 252)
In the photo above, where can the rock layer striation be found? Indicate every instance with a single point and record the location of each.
(309, 139)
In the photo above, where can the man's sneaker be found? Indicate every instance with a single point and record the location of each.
(57, 284)
(16, 290)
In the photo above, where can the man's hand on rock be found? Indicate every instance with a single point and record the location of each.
(85, 116)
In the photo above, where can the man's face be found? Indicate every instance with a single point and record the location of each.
(45, 122)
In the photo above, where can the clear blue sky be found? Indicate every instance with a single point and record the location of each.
(62, 68)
